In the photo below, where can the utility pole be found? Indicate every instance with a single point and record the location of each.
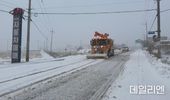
(51, 45)
(7, 45)
(46, 39)
(146, 28)
(44, 44)
(159, 27)
(38, 45)
(28, 32)
(158, 19)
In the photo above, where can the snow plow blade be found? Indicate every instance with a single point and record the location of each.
(97, 56)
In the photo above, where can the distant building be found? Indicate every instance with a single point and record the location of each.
(165, 46)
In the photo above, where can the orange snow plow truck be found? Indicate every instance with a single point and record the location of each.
(101, 46)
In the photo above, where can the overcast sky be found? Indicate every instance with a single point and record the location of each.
(74, 30)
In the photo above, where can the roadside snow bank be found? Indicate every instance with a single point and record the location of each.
(45, 55)
(162, 68)
(140, 74)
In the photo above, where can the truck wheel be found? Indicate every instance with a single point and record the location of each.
(108, 54)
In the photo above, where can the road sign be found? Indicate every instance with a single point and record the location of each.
(151, 32)
(17, 35)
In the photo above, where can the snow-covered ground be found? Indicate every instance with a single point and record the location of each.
(83, 84)
(34, 56)
(15, 76)
(144, 78)
(166, 58)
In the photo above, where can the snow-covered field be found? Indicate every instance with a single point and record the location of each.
(144, 78)
(15, 76)
(34, 56)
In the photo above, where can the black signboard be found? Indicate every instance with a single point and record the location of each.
(17, 35)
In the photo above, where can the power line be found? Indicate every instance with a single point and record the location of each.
(95, 5)
(165, 10)
(93, 13)
(153, 23)
(4, 11)
(46, 19)
(8, 2)
(156, 17)
(6, 5)
(43, 19)
(45, 37)
(36, 26)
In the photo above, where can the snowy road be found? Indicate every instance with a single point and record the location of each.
(77, 85)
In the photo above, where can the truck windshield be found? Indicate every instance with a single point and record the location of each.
(98, 42)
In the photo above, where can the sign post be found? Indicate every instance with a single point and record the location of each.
(17, 35)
